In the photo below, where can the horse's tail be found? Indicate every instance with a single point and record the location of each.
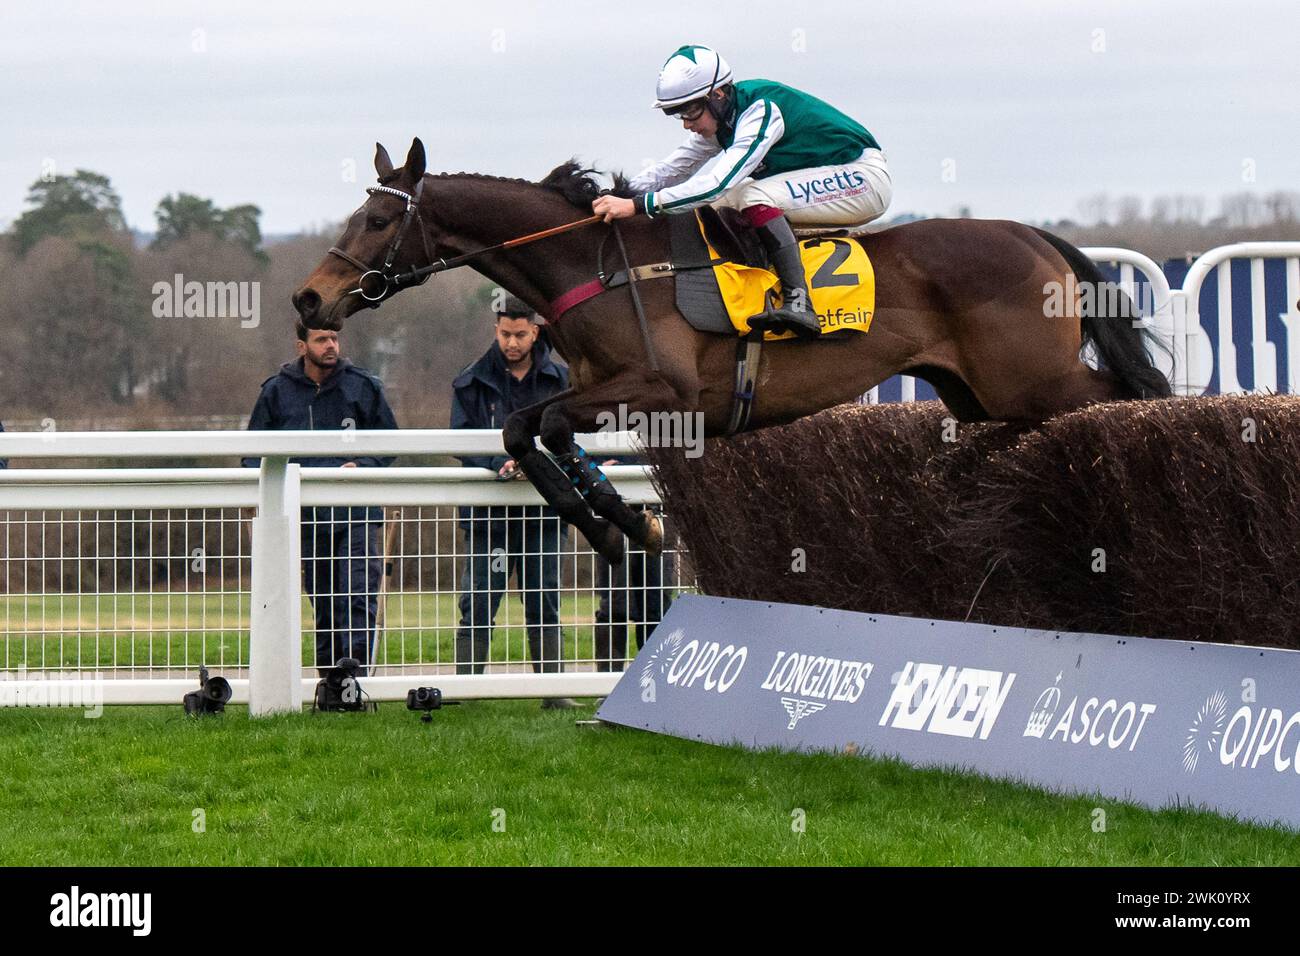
(1121, 347)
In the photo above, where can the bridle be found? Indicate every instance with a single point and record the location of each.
(384, 283)
(389, 283)
(376, 285)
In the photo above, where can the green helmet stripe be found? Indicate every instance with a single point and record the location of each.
(687, 51)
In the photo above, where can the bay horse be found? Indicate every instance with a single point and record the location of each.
(959, 303)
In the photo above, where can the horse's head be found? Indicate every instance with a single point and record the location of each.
(383, 238)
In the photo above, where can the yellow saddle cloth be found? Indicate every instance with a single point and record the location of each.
(841, 285)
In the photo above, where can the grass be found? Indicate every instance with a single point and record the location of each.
(363, 789)
(102, 631)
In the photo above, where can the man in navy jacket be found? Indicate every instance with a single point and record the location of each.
(632, 593)
(341, 555)
(515, 372)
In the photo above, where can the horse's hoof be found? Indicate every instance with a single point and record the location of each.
(652, 534)
(608, 541)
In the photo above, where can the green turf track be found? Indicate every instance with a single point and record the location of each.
(177, 630)
(358, 789)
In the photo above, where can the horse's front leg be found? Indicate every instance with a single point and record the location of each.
(520, 430)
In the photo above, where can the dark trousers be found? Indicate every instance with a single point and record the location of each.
(632, 592)
(530, 548)
(341, 564)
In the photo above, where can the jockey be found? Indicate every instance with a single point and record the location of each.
(785, 157)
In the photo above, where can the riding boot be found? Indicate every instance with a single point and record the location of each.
(782, 248)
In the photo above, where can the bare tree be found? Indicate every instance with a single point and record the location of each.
(1094, 210)
(1282, 207)
(1188, 208)
(1128, 210)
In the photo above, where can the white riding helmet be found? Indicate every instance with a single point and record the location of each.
(691, 73)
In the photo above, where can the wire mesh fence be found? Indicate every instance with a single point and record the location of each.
(138, 592)
(145, 593)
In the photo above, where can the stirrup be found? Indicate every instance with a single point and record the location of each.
(774, 319)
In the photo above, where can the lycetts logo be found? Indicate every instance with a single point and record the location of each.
(841, 184)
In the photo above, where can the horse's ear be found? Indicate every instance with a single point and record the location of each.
(415, 161)
(383, 165)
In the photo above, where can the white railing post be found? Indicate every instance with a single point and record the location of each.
(275, 640)
(1263, 352)
(1170, 321)
(1182, 344)
(1291, 321)
(1228, 383)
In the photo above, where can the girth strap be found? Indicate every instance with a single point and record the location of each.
(589, 290)
(748, 352)
(748, 349)
(574, 297)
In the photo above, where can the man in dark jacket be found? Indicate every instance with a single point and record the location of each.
(341, 555)
(4, 462)
(517, 371)
(632, 593)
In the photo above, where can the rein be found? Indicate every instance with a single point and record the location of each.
(376, 285)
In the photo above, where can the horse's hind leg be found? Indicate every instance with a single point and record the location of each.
(1023, 365)
(587, 478)
(1049, 394)
(551, 483)
(952, 391)
(636, 391)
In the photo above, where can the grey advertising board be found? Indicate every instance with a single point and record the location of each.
(1154, 722)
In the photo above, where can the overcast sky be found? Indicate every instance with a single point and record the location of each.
(1015, 108)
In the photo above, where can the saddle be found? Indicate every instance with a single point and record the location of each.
(726, 231)
(723, 277)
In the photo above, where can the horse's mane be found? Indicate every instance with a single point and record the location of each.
(575, 184)
(570, 179)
